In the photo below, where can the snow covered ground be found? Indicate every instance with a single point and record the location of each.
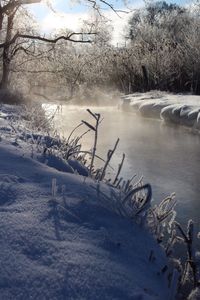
(60, 238)
(177, 109)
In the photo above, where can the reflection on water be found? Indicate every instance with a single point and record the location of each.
(168, 157)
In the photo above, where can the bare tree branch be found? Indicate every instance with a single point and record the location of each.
(98, 8)
(48, 40)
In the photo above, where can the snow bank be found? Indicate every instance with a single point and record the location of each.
(151, 109)
(60, 240)
(177, 109)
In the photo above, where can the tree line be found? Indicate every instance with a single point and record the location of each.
(161, 51)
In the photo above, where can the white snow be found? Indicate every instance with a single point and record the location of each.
(64, 241)
(178, 109)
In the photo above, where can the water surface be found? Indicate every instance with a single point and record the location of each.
(168, 157)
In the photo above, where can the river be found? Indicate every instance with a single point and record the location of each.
(168, 157)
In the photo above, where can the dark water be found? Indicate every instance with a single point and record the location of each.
(167, 157)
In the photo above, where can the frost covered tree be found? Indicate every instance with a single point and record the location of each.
(12, 37)
(165, 40)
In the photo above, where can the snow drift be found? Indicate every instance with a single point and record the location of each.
(177, 109)
(59, 237)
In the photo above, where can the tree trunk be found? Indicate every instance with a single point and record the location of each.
(4, 83)
(1, 18)
(145, 78)
(6, 69)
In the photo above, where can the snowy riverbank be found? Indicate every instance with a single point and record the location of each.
(61, 237)
(177, 109)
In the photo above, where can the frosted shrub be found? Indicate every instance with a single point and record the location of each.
(37, 118)
(195, 294)
(137, 201)
(161, 217)
(192, 262)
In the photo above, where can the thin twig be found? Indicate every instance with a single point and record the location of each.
(119, 169)
(109, 156)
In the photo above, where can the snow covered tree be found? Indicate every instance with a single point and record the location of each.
(12, 37)
(165, 40)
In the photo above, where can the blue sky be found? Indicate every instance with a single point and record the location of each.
(69, 14)
(41, 9)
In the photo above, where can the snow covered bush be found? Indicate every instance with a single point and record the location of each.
(195, 294)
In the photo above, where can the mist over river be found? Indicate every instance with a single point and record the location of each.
(168, 157)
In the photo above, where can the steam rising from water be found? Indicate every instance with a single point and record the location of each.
(85, 96)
